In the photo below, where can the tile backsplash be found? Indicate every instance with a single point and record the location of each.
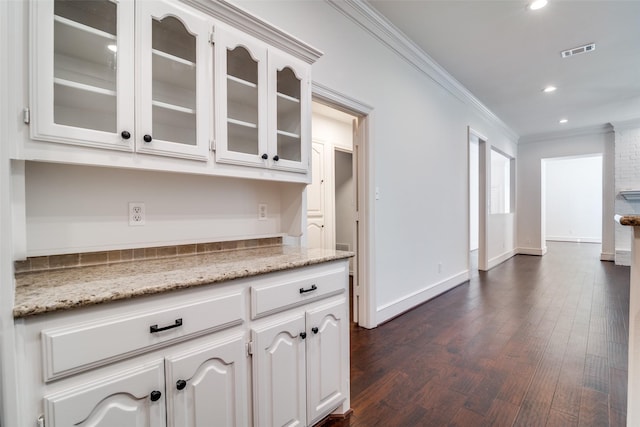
(52, 262)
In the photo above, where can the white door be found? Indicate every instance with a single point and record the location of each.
(207, 386)
(134, 398)
(279, 381)
(174, 80)
(316, 199)
(327, 359)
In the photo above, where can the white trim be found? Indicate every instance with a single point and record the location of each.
(501, 258)
(382, 29)
(569, 133)
(574, 239)
(242, 20)
(340, 101)
(627, 124)
(401, 305)
(531, 251)
(606, 256)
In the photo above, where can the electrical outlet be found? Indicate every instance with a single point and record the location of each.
(262, 212)
(136, 214)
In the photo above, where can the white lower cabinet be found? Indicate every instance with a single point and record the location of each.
(270, 350)
(299, 366)
(201, 386)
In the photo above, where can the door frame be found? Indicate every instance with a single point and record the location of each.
(483, 194)
(364, 274)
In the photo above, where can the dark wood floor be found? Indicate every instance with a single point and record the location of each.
(537, 341)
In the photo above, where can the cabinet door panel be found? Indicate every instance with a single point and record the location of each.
(279, 373)
(326, 363)
(173, 82)
(123, 400)
(214, 388)
(241, 99)
(82, 72)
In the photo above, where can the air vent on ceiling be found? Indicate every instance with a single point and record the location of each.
(578, 50)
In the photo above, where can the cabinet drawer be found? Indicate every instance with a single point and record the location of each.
(304, 287)
(81, 346)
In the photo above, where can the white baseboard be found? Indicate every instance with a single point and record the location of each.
(574, 239)
(623, 257)
(532, 251)
(399, 306)
(607, 256)
(501, 258)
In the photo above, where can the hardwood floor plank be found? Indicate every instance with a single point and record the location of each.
(536, 341)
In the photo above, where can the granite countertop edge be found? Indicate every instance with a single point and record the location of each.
(628, 219)
(64, 289)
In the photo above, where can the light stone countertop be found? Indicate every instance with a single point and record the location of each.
(628, 219)
(63, 289)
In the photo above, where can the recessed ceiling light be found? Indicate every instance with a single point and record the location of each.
(563, 121)
(549, 89)
(537, 4)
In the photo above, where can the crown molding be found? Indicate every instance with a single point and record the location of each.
(235, 16)
(568, 133)
(626, 124)
(388, 34)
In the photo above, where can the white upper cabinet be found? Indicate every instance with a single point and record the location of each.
(90, 79)
(265, 120)
(241, 71)
(172, 81)
(82, 72)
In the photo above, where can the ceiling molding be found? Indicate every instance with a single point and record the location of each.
(382, 29)
(568, 133)
(237, 17)
(626, 125)
(338, 100)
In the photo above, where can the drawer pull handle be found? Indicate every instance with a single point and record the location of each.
(155, 395)
(303, 335)
(312, 288)
(154, 328)
(315, 329)
(181, 384)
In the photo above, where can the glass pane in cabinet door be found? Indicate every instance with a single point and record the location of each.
(84, 62)
(289, 115)
(174, 82)
(242, 102)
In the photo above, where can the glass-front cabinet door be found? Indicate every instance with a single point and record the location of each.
(82, 67)
(289, 104)
(173, 84)
(241, 92)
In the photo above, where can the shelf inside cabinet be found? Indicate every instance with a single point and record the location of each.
(242, 137)
(99, 15)
(242, 100)
(76, 106)
(86, 43)
(288, 98)
(173, 107)
(174, 125)
(289, 146)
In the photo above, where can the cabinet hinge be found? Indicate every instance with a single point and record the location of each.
(249, 348)
(41, 421)
(26, 115)
(212, 145)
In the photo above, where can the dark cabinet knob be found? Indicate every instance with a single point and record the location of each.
(265, 156)
(276, 158)
(181, 384)
(315, 329)
(155, 395)
(303, 335)
(147, 138)
(125, 134)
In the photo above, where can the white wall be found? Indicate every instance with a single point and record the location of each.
(529, 205)
(574, 199)
(76, 208)
(474, 191)
(627, 177)
(418, 137)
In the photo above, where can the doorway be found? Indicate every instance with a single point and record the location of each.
(478, 160)
(340, 129)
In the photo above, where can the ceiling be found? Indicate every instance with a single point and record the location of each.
(505, 55)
